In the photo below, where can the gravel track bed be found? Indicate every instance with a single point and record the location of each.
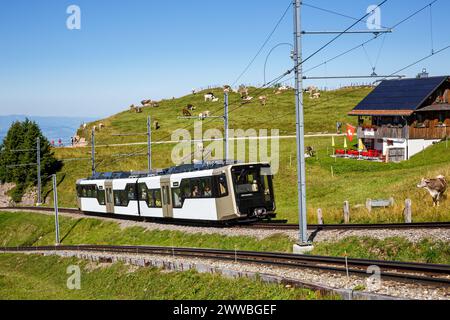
(412, 235)
(333, 280)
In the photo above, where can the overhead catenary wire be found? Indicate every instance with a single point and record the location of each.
(337, 13)
(404, 20)
(265, 86)
(263, 45)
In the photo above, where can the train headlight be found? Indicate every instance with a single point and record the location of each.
(260, 212)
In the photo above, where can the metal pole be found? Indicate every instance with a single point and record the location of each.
(303, 237)
(93, 151)
(39, 186)
(225, 117)
(55, 204)
(149, 144)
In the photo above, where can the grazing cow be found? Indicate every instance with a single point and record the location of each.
(194, 92)
(190, 107)
(247, 99)
(146, 103)
(310, 152)
(210, 97)
(186, 113)
(436, 187)
(101, 126)
(206, 114)
(314, 95)
(243, 91)
(156, 125)
(263, 100)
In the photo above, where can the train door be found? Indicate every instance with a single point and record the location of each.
(109, 197)
(166, 198)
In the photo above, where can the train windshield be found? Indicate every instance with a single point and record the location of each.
(253, 180)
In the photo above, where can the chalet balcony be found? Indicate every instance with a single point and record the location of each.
(432, 131)
(376, 132)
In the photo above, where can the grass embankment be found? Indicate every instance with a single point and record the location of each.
(353, 180)
(40, 278)
(392, 249)
(30, 229)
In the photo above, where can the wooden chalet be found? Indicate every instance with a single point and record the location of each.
(401, 118)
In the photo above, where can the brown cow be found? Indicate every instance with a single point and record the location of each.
(436, 187)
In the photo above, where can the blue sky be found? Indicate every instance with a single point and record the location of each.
(130, 50)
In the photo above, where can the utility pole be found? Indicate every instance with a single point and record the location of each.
(225, 119)
(303, 245)
(55, 204)
(38, 155)
(149, 144)
(93, 151)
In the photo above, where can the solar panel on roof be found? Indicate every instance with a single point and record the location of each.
(405, 94)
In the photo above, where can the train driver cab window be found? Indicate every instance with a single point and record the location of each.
(222, 185)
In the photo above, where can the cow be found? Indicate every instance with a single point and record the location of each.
(314, 95)
(190, 107)
(243, 91)
(263, 100)
(310, 152)
(186, 113)
(436, 187)
(210, 97)
(101, 126)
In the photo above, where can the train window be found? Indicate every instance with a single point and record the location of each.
(164, 196)
(101, 197)
(157, 197)
(247, 181)
(221, 183)
(177, 198)
(108, 196)
(143, 192)
(154, 198)
(267, 193)
(131, 192)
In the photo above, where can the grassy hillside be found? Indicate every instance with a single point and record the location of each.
(119, 281)
(353, 180)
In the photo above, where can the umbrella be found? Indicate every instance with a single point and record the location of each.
(361, 145)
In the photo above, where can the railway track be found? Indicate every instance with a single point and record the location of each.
(431, 274)
(280, 225)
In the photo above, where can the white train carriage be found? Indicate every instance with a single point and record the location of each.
(206, 192)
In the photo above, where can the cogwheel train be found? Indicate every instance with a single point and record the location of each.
(207, 192)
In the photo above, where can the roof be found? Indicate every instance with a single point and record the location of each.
(436, 107)
(398, 97)
(173, 170)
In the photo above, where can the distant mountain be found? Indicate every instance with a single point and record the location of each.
(54, 128)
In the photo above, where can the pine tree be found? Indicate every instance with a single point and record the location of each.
(18, 156)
